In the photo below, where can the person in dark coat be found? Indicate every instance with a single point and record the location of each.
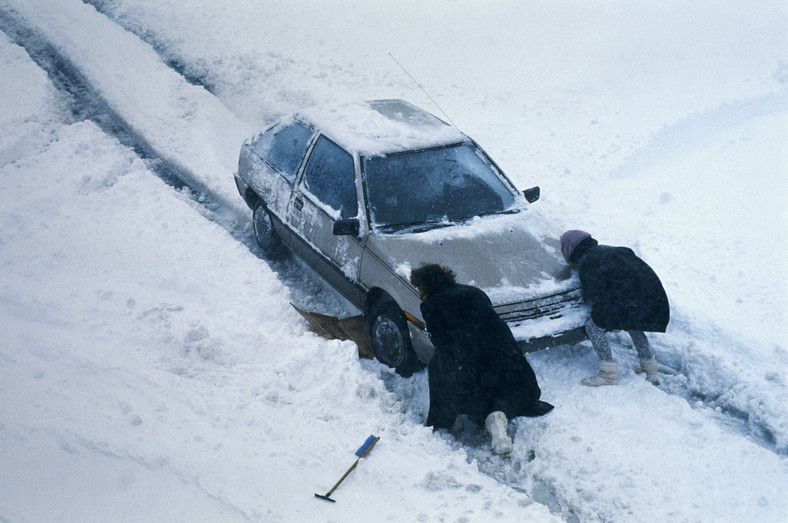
(624, 294)
(478, 369)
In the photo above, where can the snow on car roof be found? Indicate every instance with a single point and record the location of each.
(377, 127)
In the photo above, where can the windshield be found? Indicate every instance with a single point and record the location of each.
(433, 186)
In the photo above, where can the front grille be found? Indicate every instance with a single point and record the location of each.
(553, 306)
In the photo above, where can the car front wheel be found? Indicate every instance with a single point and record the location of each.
(388, 334)
(264, 233)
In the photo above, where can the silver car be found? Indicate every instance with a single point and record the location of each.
(364, 192)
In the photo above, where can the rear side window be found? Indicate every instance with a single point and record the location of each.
(283, 147)
(330, 176)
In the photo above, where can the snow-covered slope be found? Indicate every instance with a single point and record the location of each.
(152, 368)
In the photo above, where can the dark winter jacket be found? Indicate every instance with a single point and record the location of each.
(477, 367)
(623, 291)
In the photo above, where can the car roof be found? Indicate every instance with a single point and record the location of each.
(376, 127)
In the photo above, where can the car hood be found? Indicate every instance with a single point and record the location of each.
(511, 257)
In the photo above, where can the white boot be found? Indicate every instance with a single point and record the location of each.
(608, 375)
(496, 425)
(650, 368)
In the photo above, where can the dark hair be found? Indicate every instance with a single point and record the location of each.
(431, 278)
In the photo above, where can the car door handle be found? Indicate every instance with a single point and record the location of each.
(299, 203)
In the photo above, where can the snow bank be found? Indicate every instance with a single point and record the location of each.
(30, 120)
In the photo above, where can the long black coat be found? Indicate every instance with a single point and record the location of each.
(624, 292)
(478, 367)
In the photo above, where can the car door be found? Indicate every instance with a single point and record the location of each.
(279, 151)
(326, 193)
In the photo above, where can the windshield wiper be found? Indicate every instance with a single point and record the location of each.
(414, 226)
(510, 210)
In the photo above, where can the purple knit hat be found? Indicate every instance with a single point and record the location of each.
(570, 240)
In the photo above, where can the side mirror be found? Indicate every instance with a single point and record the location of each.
(348, 227)
(532, 194)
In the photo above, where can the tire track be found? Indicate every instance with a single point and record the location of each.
(693, 131)
(172, 61)
(86, 103)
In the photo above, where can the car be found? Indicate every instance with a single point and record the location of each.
(365, 191)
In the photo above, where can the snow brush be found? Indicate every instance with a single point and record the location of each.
(362, 451)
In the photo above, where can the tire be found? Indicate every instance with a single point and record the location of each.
(265, 234)
(390, 340)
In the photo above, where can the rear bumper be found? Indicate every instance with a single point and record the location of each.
(244, 190)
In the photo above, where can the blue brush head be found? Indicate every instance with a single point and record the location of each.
(365, 447)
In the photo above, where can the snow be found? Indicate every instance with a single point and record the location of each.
(151, 367)
(548, 326)
(527, 220)
(377, 127)
(184, 123)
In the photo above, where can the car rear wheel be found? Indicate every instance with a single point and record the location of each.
(265, 234)
(390, 340)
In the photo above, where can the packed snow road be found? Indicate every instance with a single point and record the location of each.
(146, 351)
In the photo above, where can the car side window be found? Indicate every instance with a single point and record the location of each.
(330, 176)
(283, 147)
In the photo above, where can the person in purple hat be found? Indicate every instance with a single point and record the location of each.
(624, 293)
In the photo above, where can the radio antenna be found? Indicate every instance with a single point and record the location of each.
(423, 89)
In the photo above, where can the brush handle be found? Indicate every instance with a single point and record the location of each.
(343, 477)
(361, 452)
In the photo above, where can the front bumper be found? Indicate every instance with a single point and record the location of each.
(547, 321)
